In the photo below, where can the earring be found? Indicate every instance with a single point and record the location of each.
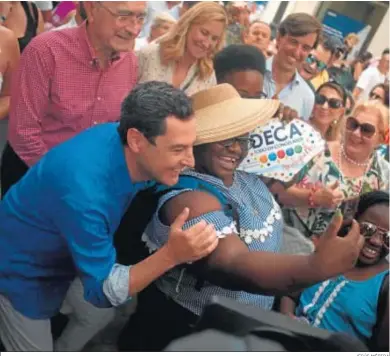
(335, 122)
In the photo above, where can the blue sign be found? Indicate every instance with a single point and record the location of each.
(339, 25)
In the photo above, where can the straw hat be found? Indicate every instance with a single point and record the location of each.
(222, 114)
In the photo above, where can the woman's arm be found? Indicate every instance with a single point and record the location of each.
(326, 197)
(234, 267)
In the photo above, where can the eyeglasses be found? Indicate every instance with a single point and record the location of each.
(130, 16)
(374, 96)
(367, 130)
(310, 59)
(246, 143)
(261, 95)
(368, 230)
(332, 102)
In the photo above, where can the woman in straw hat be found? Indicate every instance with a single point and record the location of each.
(248, 222)
(183, 57)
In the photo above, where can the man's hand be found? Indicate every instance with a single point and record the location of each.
(329, 197)
(336, 255)
(192, 244)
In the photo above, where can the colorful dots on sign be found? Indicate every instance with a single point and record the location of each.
(290, 152)
(298, 149)
(263, 159)
(281, 154)
(272, 157)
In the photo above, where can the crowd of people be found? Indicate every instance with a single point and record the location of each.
(106, 107)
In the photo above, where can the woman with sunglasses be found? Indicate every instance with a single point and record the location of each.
(345, 170)
(328, 110)
(380, 92)
(356, 302)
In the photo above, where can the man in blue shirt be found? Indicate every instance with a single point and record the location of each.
(298, 34)
(58, 221)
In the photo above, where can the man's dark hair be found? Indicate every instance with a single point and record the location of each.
(371, 199)
(301, 24)
(386, 51)
(82, 12)
(238, 58)
(147, 107)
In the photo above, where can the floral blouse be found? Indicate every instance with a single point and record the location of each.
(322, 171)
(150, 68)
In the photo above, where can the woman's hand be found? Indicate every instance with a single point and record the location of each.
(329, 197)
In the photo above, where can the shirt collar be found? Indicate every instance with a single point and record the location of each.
(268, 68)
(83, 35)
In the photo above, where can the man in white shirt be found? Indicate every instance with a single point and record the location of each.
(371, 77)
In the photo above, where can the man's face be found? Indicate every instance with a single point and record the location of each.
(293, 51)
(315, 63)
(259, 35)
(116, 24)
(171, 153)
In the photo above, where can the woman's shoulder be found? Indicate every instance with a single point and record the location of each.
(150, 49)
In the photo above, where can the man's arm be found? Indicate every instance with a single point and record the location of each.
(30, 97)
(107, 283)
(234, 267)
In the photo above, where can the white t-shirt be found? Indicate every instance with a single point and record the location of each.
(368, 79)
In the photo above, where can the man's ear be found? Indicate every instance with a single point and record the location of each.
(89, 9)
(136, 141)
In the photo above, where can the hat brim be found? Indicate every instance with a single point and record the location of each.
(233, 118)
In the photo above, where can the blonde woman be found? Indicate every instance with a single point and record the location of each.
(184, 56)
(347, 169)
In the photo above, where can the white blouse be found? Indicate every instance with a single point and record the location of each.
(151, 68)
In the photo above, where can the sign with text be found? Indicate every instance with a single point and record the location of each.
(281, 150)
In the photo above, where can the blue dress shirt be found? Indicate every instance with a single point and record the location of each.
(296, 94)
(58, 222)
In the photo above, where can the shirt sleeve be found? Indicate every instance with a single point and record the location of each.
(89, 241)
(29, 102)
(364, 79)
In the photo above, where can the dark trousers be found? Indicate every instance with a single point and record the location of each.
(12, 169)
(158, 320)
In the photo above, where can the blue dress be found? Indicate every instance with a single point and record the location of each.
(343, 305)
(260, 225)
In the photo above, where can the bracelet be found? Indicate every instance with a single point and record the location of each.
(311, 197)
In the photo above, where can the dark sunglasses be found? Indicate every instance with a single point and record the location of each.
(368, 230)
(367, 130)
(333, 103)
(246, 143)
(261, 95)
(310, 59)
(374, 96)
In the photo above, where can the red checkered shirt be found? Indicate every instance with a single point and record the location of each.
(60, 90)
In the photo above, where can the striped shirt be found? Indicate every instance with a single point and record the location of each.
(260, 224)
